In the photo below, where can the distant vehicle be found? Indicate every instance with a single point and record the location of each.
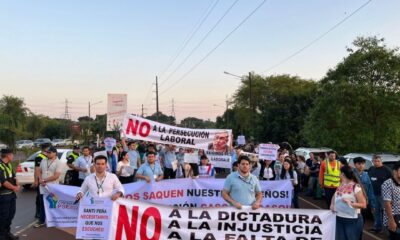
(367, 156)
(68, 142)
(3, 146)
(389, 159)
(305, 152)
(38, 142)
(24, 144)
(59, 143)
(25, 170)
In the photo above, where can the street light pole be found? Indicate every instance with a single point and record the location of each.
(91, 104)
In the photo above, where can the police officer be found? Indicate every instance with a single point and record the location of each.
(41, 156)
(72, 175)
(8, 197)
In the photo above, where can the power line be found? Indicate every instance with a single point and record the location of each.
(201, 41)
(215, 48)
(317, 39)
(199, 23)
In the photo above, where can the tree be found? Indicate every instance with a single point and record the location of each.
(12, 117)
(358, 103)
(162, 118)
(34, 125)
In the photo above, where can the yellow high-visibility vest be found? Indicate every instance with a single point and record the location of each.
(331, 176)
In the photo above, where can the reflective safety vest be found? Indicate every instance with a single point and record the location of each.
(42, 156)
(331, 176)
(74, 155)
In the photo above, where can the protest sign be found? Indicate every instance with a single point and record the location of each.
(138, 128)
(268, 151)
(219, 159)
(94, 218)
(176, 192)
(241, 140)
(191, 158)
(109, 143)
(116, 110)
(140, 220)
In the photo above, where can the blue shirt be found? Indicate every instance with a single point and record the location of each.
(134, 157)
(242, 190)
(367, 184)
(150, 171)
(169, 157)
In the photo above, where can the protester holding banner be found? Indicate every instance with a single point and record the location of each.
(124, 169)
(101, 183)
(241, 188)
(347, 201)
(152, 148)
(150, 171)
(83, 164)
(168, 159)
(50, 171)
(391, 198)
(206, 169)
(289, 173)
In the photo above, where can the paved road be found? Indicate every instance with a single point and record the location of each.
(24, 218)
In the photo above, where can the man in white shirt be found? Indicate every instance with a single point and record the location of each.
(49, 173)
(83, 164)
(101, 183)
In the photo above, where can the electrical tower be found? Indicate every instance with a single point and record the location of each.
(173, 109)
(67, 116)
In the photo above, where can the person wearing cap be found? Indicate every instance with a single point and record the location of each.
(359, 166)
(72, 175)
(50, 171)
(38, 159)
(329, 176)
(9, 187)
(242, 188)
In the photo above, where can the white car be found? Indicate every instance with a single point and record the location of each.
(25, 170)
(59, 143)
(24, 144)
(305, 152)
(367, 156)
(3, 146)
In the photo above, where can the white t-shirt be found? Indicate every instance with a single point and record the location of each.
(268, 173)
(49, 168)
(346, 191)
(124, 172)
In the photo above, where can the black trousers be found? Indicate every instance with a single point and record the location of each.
(169, 173)
(195, 169)
(329, 192)
(37, 214)
(7, 212)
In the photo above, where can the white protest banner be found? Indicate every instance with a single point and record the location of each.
(109, 143)
(59, 205)
(191, 158)
(241, 140)
(140, 220)
(268, 151)
(219, 159)
(138, 128)
(94, 218)
(204, 192)
(117, 105)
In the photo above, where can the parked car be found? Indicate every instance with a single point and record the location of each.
(25, 170)
(40, 141)
(59, 143)
(24, 144)
(389, 159)
(305, 152)
(68, 142)
(3, 146)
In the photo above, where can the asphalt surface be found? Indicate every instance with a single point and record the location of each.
(24, 220)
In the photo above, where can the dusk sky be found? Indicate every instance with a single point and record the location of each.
(82, 50)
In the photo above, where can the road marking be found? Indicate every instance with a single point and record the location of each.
(26, 228)
(366, 232)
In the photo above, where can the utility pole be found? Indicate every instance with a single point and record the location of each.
(173, 109)
(143, 111)
(158, 112)
(251, 106)
(89, 109)
(226, 111)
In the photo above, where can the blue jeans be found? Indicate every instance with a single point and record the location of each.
(378, 213)
(349, 228)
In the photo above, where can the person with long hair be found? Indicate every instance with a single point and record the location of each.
(347, 203)
(122, 169)
(288, 172)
